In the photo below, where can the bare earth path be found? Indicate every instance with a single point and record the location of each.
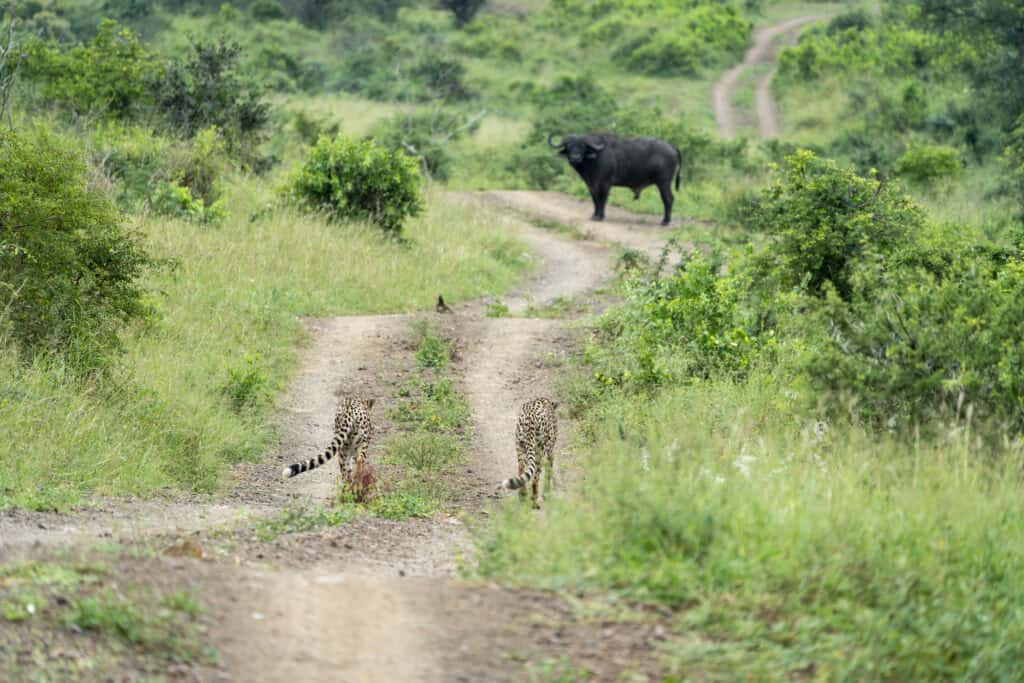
(378, 600)
(763, 51)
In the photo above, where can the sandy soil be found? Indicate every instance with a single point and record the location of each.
(378, 600)
(767, 41)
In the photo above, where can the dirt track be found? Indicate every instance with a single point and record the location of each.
(376, 600)
(763, 51)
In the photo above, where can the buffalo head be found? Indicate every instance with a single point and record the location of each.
(578, 147)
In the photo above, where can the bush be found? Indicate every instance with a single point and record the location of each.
(359, 179)
(174, 200)
(912, 346)
(111, 75)
(674, 329)
(442, 77)
(923, 163)
(207, 90)
(69, 271)
(667, 41)
(824, 222)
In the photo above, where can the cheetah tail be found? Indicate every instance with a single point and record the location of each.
(519, 482)
(313, 463)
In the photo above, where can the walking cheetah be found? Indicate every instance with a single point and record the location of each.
(536, 432)
(352, 433)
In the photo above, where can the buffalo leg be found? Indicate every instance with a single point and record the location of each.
(666, 198)
(600, 199)
(594, 195)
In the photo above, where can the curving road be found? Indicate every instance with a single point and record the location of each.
(763, 51)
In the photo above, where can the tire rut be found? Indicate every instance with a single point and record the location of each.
(763, 51)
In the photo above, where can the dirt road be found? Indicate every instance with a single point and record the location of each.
(373, 599)
(764, 51)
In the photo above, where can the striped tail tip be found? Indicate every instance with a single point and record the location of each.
(288, 473)
(512, 484)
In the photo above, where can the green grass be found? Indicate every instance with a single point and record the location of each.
(868, 556)
(432, 417)
(76, 597)
(300, 519)
(192, 393)
(165, 628)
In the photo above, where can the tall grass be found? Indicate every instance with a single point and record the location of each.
(787, 548)
(194, 389)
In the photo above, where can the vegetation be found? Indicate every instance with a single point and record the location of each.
(434, 418)
(69, 269)
(170, 415)
(359, 179)
(804, 441)
(62, 601)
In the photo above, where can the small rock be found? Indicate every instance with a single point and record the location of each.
(401, 572)
(258, 616)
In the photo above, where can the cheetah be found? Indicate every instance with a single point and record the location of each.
(536, 433)
(352, 433)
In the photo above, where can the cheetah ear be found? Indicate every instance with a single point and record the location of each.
(555, 404)
(370, 402)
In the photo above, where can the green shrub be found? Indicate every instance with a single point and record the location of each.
(359, 179)
(247, 385)
(111, 75)
(666, 40)
(913, 346)
(924, 163)
(442, 77)
(174, 200)
(69, 270)
(674, 329)
(199, 165)
(823, 222)
(266, 10)
(131, 156)
(206, 90)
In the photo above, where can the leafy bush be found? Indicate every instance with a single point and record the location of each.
(359, 179)
(662, 39)
(824, 222)
(199, 165)
(674, 329)
(69, 271)
(171, 199)
(206, 89)
(247, 385)
(112, 74)
(924, 163)
(442, 77)
(912, 345)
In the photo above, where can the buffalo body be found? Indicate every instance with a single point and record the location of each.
(606, 161)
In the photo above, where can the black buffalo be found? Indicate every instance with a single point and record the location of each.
(604, 161)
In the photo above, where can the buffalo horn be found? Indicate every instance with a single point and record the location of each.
(556, 146)
(596, 146)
